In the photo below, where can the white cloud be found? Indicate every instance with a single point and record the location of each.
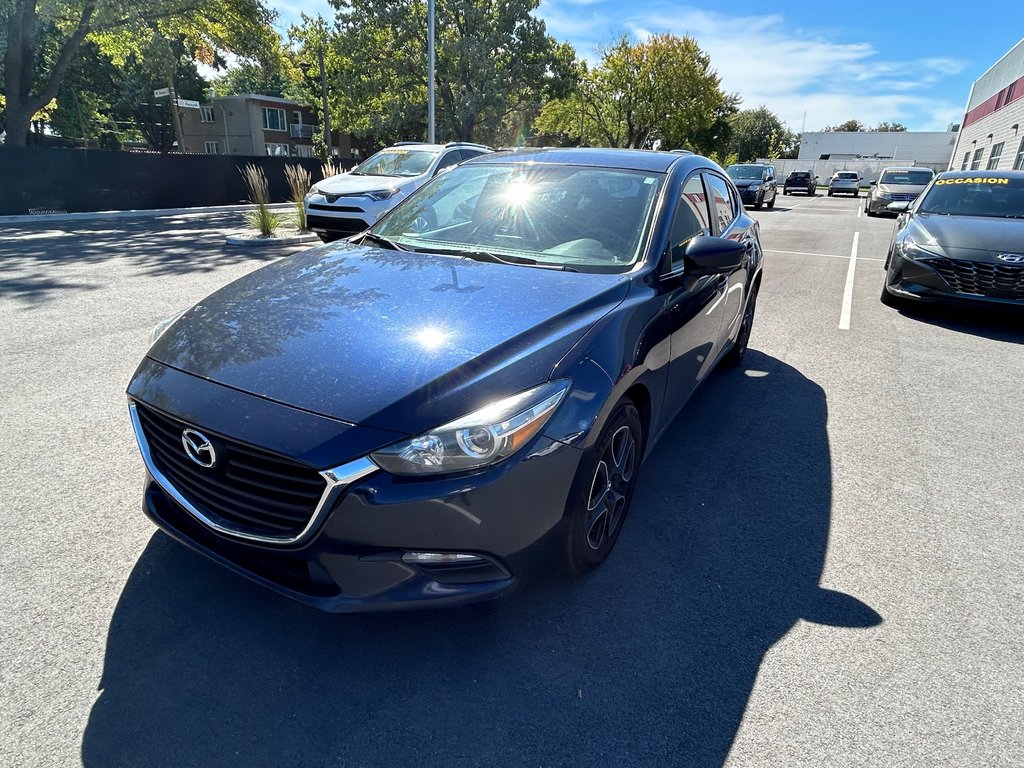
(793, 72)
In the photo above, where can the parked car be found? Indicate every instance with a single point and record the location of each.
(429, 417)
(756, 183)
(896, 185)
(962, 241)
(847, 182)
(800, 181)
(342, 205)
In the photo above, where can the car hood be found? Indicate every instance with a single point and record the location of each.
(901, 189)
(977, 238)
(394, 340)
(347, 184)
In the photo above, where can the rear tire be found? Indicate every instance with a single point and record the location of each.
(603, 489)
(830, 193)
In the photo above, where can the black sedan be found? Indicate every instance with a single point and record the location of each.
(430, 417)
(962, 240)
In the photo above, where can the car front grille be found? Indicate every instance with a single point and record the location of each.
(250, 490)
(335, 208)
(903, 197)
(337, 224)
(994, 280)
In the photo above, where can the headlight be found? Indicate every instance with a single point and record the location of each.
(908, 248)
(754, 187)
(314, 190)
(884, 195)
(160, 328)
(482, 438)
(382, 194)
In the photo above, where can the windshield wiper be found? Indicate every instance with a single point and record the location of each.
(494, 258)
(381, 240)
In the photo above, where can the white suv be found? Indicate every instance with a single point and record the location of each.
(348, 203)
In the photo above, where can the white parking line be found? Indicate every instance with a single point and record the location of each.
(844, 313)
(828, 255)
(859, 211)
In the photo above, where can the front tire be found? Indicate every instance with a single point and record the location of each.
(735, 355)
(772, 203)
(603, 489)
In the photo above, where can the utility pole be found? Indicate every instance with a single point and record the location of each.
(175, 115)
(323, 96)
(430, 72)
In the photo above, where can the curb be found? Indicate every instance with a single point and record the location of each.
(137, 214)
(249, 241)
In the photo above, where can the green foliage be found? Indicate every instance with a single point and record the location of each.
(886, 127)
(660, 89)
(850, 126)
(262, 219)
(494, 61)
(759, 133)
(43, 40)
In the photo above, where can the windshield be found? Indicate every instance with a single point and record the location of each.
(916, 178)
(847, 176)
(396, 162)
(997, 196)
(745, 171)
(571, 217)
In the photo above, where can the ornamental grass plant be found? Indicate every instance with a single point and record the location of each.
(298, 184)
(263, 220)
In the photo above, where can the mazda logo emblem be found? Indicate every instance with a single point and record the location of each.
(198, 448)
(1011, 258)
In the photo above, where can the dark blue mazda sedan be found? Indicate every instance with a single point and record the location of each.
(461, 396)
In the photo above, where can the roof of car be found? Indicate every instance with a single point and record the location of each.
(632, 159)
(906, 168)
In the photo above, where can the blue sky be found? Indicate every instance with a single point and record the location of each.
(812, 63)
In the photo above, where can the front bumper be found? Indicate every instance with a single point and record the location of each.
(850, 189)
(752, 197)
(917, 280)
(345, 215)
(510, 516)
(875, 204)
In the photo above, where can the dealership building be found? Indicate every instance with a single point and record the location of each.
(992, 132)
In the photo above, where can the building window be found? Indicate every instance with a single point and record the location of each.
(206, 115)
(976, 162)
(273, 119)
(277, 150)
(305, 150)
(212, 148)
(1018, 164)
(967, 160)
(296, 118)
(993, 158)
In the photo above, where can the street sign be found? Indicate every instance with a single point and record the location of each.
(162, 92)
(188, 103)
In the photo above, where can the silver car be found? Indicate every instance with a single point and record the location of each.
(847, 182)
(896, 185)
(342, 205)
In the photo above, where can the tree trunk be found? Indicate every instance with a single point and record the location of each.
(19, 120)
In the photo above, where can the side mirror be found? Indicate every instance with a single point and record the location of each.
(873, 183)
(900, 207)
(711, 255)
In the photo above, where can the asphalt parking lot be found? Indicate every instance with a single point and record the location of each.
(822, 566)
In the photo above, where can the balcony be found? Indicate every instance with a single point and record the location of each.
(302, 131)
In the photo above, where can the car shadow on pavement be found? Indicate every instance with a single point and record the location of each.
(998, 324)
(648, 661)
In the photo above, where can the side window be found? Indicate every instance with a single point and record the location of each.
(468, 153)
(452, 158)
(691, 219)
(723, 205)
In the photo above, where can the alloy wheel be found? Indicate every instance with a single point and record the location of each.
(609, 488)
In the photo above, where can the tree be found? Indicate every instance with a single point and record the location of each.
(662, 89)
(42, 40)
(890, 127)
(494, 59)
(850, 126)
(759, 133)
